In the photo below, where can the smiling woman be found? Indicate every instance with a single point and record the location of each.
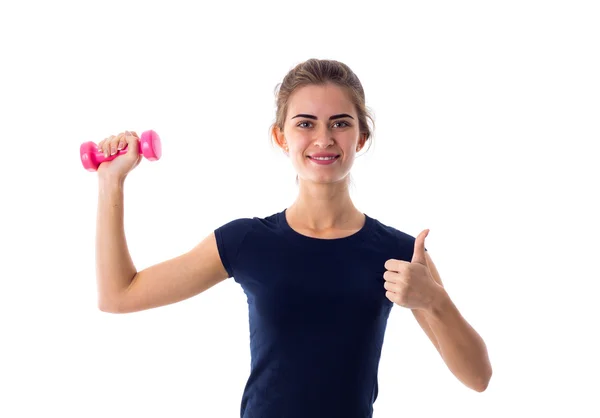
(308, 83)
(320, 276)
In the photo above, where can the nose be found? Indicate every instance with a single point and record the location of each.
(323, 138)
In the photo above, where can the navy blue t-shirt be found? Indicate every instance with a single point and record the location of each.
(317, 314)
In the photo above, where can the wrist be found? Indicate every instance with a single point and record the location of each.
(440, 303)
(111, 180)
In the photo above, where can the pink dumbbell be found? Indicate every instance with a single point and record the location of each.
(149, 147)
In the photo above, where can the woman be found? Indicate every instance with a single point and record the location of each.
(320, 276)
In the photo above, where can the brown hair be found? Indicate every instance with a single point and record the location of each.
(319, 72)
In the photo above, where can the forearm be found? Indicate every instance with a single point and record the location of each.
(114, 266)
(461, 347)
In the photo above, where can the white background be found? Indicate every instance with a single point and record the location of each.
(487, 126)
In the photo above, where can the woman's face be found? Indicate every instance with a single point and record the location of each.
(321, 119)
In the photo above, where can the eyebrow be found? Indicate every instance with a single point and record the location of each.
(341, 115)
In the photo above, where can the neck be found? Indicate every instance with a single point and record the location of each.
(323, 207)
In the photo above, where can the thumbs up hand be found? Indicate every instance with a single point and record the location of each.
(410, 284)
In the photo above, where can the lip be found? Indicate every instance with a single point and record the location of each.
(323, 162)
(323, 154)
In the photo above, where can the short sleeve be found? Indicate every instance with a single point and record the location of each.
(230, 238)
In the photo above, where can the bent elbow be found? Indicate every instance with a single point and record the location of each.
(107, 306)
(484, 382)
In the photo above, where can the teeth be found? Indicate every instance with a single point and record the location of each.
(322, 158)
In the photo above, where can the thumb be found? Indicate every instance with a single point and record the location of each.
(419, 252)
(132, 144)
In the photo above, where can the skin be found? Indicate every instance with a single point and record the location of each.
(323, 206)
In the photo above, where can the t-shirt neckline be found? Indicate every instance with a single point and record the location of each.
(297, 235)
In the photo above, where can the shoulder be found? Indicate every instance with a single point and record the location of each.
(235, 231)
(403, 240)
(236, 237)
(392, 232)
(239, 228)
(239, 224)
(248, 224)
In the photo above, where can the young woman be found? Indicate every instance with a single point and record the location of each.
(320, 276)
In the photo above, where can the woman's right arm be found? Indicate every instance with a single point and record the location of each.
(121, 288)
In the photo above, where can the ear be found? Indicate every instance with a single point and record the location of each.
(361, 142)
(278, 135)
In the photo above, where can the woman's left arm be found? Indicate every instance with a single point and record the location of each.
(461, 347)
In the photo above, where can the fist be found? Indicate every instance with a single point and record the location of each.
(410, 284)
(123, 164)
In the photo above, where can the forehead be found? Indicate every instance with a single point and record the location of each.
(324, 100)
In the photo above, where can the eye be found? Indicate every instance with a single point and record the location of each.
(345, 123)
(301, 123)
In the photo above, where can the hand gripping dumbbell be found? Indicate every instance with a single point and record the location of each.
(149, 147)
